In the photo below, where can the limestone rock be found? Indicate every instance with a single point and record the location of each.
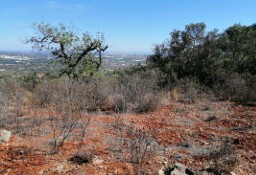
(161, 172)
(59, 168)
(177, 169)
(96, 160)
(5, 136)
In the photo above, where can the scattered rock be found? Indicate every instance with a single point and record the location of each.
(5, 136)
(96, 160)
(41, 172)
(180, 156)
(59, 168)
(177, 169)
(211, 119)
(167, 149)
(161, 172)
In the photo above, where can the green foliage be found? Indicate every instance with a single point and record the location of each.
(76, 54)
(240, 48)
(193, 52)
(29, 81)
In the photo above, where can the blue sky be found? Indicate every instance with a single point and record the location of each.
(128, 25)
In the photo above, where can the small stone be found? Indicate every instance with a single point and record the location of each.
(59, 168)
(5, 136)
(96, 160)
(177, 169)
(41, 172)
(167, 149)
(161, 172)
(178, 156)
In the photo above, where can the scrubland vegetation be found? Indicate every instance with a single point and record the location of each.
(192, 66)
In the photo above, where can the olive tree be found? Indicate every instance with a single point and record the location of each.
(77, 53)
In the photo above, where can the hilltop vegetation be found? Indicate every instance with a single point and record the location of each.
(224, 62)
(197, 89)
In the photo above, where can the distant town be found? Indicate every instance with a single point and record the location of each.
(14, 61)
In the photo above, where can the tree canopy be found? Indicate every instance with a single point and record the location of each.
(197, 53)
(77, 53)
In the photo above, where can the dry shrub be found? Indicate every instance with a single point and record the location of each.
(144, 87)
(134, 145)
(95, 92)
(118, 123)
(119, 103)
(89, 95)
(28, 98)
(237, 87)
(64, 99)
(142, 148)
(189, 88)
(223, 159)
(65, 125)
(174, 95)
(136, 92)
(147, 103)
(4, 103)
(12, 104)
(42, 93)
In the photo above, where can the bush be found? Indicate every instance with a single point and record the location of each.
(189, 89)
(29, 81)
(128, 90)
(42, 93)
(147, 103)
(137, 91)
(95, 93)
(236, 87)
(223, 159)
(119, 103)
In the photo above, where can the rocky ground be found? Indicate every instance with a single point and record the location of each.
(205, 135)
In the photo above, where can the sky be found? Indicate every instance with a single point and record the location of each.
(128, 25)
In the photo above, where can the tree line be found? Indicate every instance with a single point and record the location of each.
(193, 52)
